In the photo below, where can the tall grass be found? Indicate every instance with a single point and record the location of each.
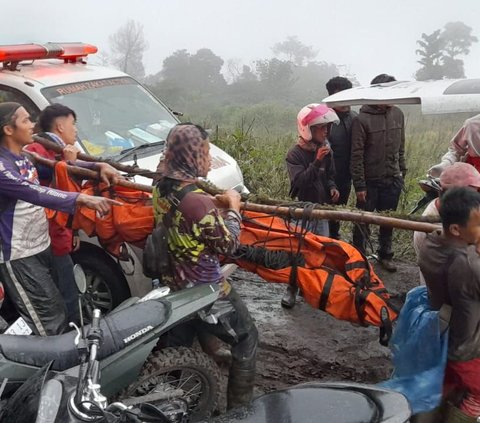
(260, 148)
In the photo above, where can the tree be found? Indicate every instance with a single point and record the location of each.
(206, 67)
(294, 50)
(458, 39)
(431, 56)
(439, 52)
(127, 47)
(276, 77)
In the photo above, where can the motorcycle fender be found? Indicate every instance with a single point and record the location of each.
(123, 368)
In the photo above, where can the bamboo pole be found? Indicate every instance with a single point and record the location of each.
(298, 212)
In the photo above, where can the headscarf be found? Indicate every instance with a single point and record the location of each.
(7, 110)
(186, 154)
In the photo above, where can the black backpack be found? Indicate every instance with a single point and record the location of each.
(156, 257)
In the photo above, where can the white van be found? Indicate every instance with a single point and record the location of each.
(117, 118)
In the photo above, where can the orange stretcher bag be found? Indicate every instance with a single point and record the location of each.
(332, 275)
(132, 222)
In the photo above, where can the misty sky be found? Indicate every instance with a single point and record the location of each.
(367, 36)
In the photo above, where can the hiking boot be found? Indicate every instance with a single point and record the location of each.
(288, 299)
(388, 265)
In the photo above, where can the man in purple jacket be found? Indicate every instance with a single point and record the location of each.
(25, 256)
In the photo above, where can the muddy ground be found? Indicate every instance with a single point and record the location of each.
(304, 344)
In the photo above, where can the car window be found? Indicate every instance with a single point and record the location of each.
(11, 94)
(113, 114)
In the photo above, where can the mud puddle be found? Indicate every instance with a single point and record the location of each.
(304, 344)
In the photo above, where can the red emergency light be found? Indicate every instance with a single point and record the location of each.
(64, 51)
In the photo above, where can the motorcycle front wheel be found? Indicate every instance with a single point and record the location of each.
(182, 374)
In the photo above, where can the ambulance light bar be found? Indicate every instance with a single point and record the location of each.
(64, 51)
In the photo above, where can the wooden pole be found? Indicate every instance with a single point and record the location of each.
(346, 215)
(50, 145)
(86, 173)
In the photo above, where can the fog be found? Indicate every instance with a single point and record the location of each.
(363, 38)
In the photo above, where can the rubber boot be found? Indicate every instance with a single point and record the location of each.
(455, 415)
(215, 348)
(288, 299)
(240, 387)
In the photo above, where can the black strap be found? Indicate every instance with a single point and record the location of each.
(326, 291)
(175, 201)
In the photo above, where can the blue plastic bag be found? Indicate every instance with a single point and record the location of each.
(419, 353)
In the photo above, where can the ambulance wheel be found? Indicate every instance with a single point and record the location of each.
(106, 284)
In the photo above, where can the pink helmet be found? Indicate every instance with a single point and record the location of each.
(314, 114)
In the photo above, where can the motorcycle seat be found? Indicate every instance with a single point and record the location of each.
(324, 403)
(119, 329)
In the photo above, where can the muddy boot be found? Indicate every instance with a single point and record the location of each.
(240, 387)
(455, 415)
(288, 299)
(388, 265)
(215, 348)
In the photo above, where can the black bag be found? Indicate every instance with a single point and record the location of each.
(156, 257)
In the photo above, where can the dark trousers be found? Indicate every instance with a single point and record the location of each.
(29, 283)
(63, 272)
(244, 344)
(381, 196)
(344, 188)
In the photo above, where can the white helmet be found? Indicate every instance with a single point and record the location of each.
(314, 114)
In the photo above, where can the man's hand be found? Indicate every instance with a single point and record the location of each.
(100, 204)
(70, 153)
(229, 199)
(108, 174)
(76, 243)
(322, 152)
(335, 194)
(362, 196)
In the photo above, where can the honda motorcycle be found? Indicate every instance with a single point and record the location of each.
(132, 366)
(74, 395)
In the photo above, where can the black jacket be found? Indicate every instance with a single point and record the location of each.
(378, 146)
(340, 138)
(310, 179)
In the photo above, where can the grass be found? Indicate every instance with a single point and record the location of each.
(260, 149)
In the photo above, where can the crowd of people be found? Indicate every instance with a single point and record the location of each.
(335, 149)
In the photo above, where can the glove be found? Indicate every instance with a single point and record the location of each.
(436, 170)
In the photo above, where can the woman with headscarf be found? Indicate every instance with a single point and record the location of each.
(464, 147)
(198, 232)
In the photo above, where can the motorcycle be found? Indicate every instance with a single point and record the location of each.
(324, 403)
(74, 395)
(133, 368)
(431, 188)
